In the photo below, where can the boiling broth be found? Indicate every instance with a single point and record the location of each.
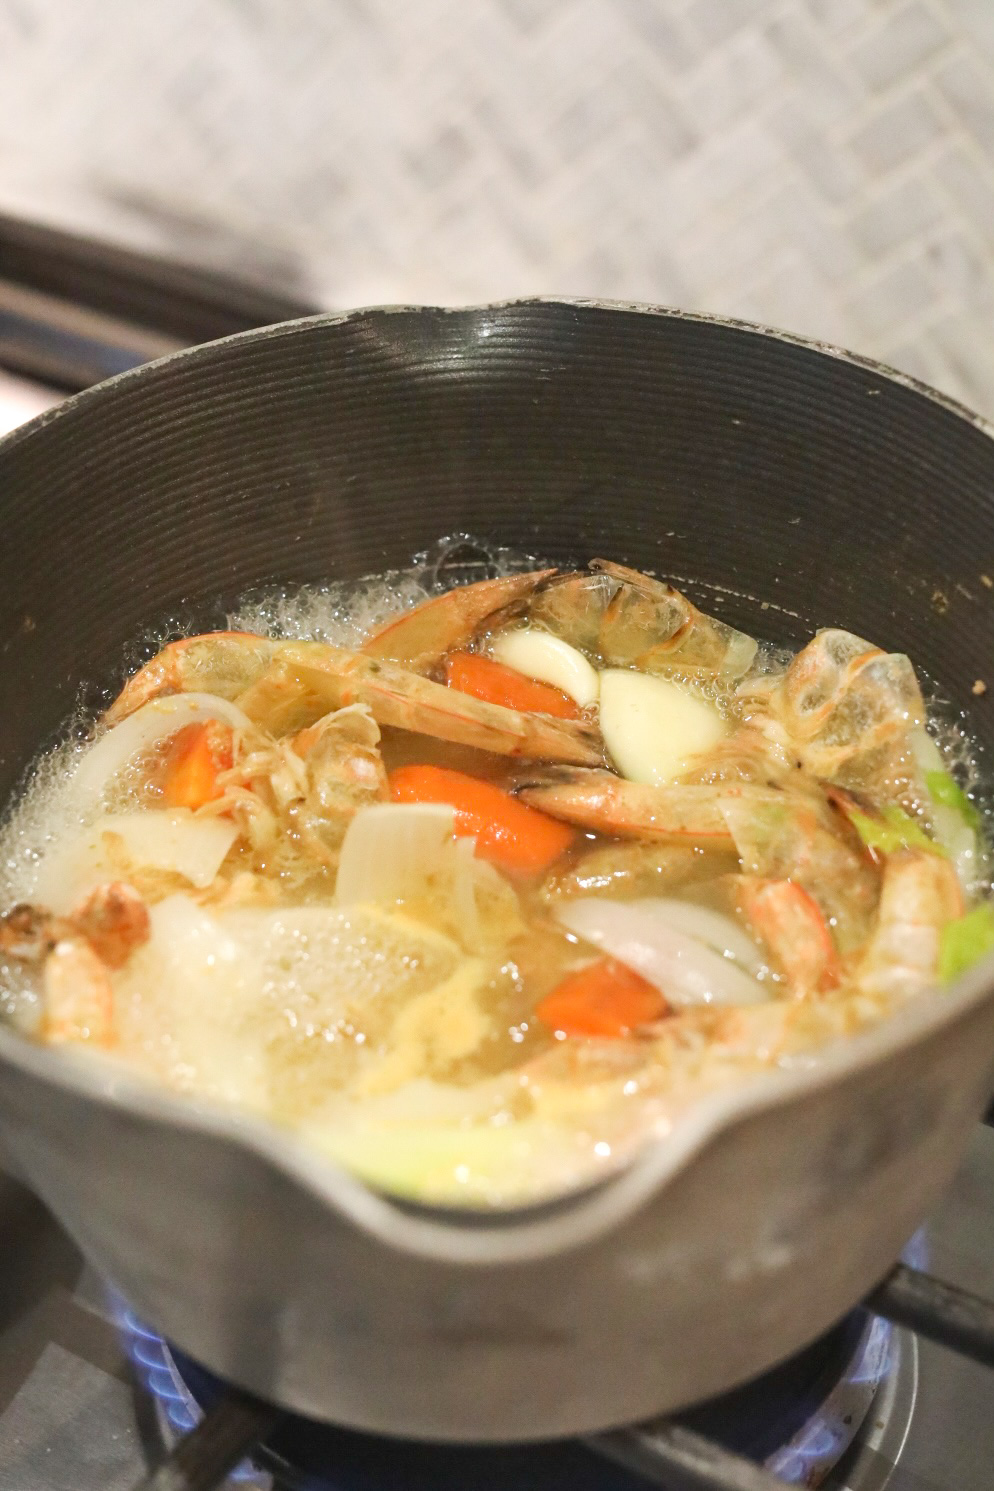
(337, 936)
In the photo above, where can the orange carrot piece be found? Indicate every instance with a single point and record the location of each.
(507, 831)
(791, 924)
(484, 678)
(604, 999)
(197, 755)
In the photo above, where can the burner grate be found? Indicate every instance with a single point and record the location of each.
(908, 1296)
(661, 1454)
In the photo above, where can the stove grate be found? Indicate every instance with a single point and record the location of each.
(662, 1453)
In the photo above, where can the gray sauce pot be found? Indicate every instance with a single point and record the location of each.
(787, 487)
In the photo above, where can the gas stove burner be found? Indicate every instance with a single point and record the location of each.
(798, 1420)
(177, 1410)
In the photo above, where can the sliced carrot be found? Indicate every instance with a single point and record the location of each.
(604, 999)
(791, 924)
(197, 755)
(471, 673)
(507, 831)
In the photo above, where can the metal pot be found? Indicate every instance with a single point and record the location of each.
(796, 486)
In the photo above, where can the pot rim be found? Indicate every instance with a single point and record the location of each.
(526, 1233)
(563, 302)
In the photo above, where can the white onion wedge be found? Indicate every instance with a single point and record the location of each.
(549, 659)
(390, 849)
(683, 968)
(952, 832)
(652, 727)
(717, 931)
(157, 839)
(173, 839)
(155, 721)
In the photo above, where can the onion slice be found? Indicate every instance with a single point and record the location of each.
(713, 928)
(174, 841)
(155, 721)
(390, 849)
(682, 967)
(952, 832)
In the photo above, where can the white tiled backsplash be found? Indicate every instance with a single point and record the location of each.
(21, 400)
(825, 165)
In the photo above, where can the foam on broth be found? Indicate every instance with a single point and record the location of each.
(250, 1050)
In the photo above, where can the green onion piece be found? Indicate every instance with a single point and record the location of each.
(965, 941)
(893, 830)
(945, 790)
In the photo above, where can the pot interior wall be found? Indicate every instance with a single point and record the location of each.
(790, 488)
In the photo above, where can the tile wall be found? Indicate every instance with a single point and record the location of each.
(824, 165)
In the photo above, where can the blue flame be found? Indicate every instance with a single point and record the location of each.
(916, 1253)
(820, 1442)
(155, 1369)
(824, 1438)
